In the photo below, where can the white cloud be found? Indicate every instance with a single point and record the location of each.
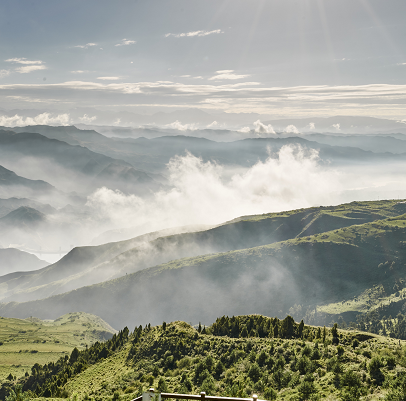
(261, 128)
(78, 72)
(24, 61)
(311, 126)
(247, 91)
(245, 130)
(108, 78)
(214, 124)
(4, 73)
(86, 46)
(38, 100)
(388, 101)
(181, 127)
(193, 33)
(291, 129)
(204, 192)
(336, 126)
(30, 68)
(29, 65)
(185, 76)
(87, 119)
(227, 74)
(40, 119)
(126, 42)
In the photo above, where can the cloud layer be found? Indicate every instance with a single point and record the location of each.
(202, 193)
(41, 119)
(227, 74)
(387, 100)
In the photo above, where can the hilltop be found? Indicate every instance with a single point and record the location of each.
(237, 356)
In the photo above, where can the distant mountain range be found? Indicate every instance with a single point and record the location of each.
(340, 125)
(75, 165)
(195, 118)
(140, 163)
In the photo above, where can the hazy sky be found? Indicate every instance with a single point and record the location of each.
(279, 57)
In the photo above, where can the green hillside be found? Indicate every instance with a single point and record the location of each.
(91, 265)
(309, 271)
(238, 356)
(26, 342)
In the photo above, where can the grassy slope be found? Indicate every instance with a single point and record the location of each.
(30, 341)
(311, 270)
(89, 265)
(172, 356)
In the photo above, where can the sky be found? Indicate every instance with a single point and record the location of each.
(282, 58)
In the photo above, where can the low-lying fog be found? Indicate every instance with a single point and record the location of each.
(206, 193)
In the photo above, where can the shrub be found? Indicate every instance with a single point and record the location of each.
(254, 373)
(270, 394)
(375, 365)
(162, 386)
(306, 389)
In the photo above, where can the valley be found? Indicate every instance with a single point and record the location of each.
(27, 342)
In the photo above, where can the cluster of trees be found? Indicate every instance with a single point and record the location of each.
(376, 322)
(264, 327)
(223, 362)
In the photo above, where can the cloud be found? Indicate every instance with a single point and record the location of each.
(311, 126)
(245, 130)
(214, 124)
(227, 74)
(4, 73)
(185, 76)
(126, 42)
(87, 119)
(37, 100)
(181, 127)
(336, 126)
(40, 119)
(30, 68)
(29, 65)
(261, 128)
(380, 99)
(78, 72)
(193, 33)
(248, 91)
(291, 129)
(108, 78)
(24, 61)
(86, 46)
(204, 193)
